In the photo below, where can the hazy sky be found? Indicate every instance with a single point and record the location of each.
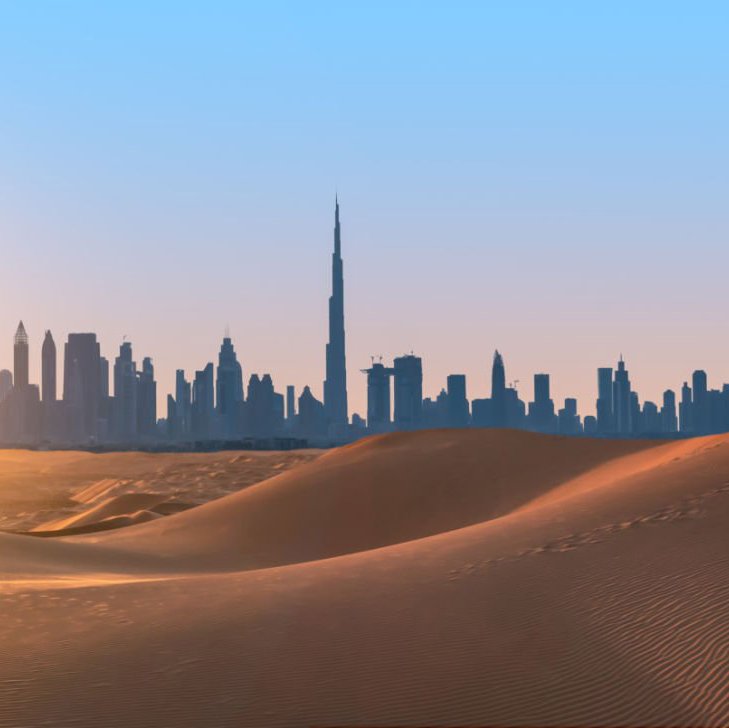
(548, 178)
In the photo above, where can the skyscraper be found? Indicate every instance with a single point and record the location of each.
(290, 403)
(264, 407)
(541, 410)
(229, 388)
(669, 422)
(604, 406)
(6, 383)
(700, 410)
(622, 399)
(335, 384)
(378, 397)
(457, 402)
(203, 404)
(408, 391)
(684, 410)
(48, 369)
(146, 399)
(498, 391)
(82, 381)
(125, 394)
(183, 403)
(20, 355)
(311, 420)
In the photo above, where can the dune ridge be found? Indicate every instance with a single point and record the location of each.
(430, 578)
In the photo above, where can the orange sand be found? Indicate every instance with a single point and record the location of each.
(435, 578)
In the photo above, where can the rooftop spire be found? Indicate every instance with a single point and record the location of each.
(337, 239)
(21, 337)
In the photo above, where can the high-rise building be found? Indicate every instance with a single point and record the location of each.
(20, 355)
(48, 369)
(408, 371)
(146, 399)
(569, 421)
(203, 405)
(498, 392)
(458, 414)
(335, 384)
(290, 403)
(435, 412)
(622, 399)
(669, 422)
(264, 407)
(6, 383)
(183, 404)
(684, 410)
(378, 397)
(311, 420)
(604, 407)
(173, 421)
(229, 389)
(700, 410)
(104, 377)
(651, 422)
(541, 410)
(125, 394)
(82, 382)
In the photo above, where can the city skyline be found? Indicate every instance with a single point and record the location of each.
(104, 406)
(336, 361)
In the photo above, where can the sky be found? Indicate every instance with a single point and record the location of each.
(546, 178)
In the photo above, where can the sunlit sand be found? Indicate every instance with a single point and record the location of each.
(475, 577)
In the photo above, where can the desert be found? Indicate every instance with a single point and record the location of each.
(439, 578)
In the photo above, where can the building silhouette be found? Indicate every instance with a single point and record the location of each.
(83, 388)
(335, 384)
(290, 404)
(146, 400)
(541, 410)
(378, 397)
(498, 392)
(203, 404)
(622, 399)
(569, 421)
(125, 395)
(457, 409)
(48, 369)
(604, 405)
(229, 390)
(183, 405)
(408, 375)
(700, 406)
(6, 383)
(20, 357)
(669, 421)
(311, 420)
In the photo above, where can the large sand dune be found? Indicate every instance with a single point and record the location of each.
(434, 578)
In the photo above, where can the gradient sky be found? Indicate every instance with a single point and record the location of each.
(548, 178)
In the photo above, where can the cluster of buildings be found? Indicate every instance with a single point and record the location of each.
(116, 404)
(620, 413)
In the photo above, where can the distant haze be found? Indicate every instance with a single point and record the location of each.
(546, 178)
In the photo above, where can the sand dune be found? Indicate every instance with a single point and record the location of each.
(378, 492)
(38, 487)
(121, 505)
(435, 578)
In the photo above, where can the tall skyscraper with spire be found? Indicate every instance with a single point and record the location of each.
(48, 371)
(335, 384)
(498, 391)
(20, 355)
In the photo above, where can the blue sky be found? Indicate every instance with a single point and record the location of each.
(546, 178)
